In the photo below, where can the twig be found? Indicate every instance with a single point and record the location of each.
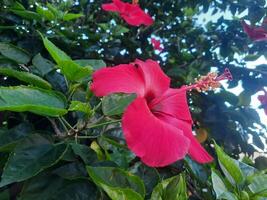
(55, 127)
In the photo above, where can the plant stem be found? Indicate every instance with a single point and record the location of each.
(104, 123)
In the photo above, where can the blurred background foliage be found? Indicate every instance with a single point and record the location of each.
(92, 39)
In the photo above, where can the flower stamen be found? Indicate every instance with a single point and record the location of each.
(135, 2)
(211, 81)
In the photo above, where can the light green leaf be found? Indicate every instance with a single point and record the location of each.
(227, 196)
(29, 15)
(29, 158)
(68, 67)
(118, 184)
(55, 52)
(259, 185)
(115, 104)
(73, 71)
(172, 188)
(71, 16)
(218, 184)
(14, 53)
(45, 13)
(36, 100)
(93, 63)
(80, 106)
(230, 169)
(26, 77)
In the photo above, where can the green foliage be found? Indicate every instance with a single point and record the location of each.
(58, 141)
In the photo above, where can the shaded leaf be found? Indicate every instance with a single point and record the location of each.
(14, 53)
(10, 137)
(53, 187)
(29, 158)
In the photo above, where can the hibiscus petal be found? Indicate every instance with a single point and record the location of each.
(157, 143)
(196, 151)
(122, 78)
(136, 16)
(116, 6)
(156, 82)
(173, 102)
(110, 7)
(256, 34)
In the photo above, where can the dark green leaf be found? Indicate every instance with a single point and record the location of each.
(14, 53)
(43, 65)
(85, 153)
(29, 158)
(53, 187)
(10, 137)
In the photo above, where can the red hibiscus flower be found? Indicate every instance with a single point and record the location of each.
(157, 125)
(131, 13)
(255, 33)
(156, 44)
(263, 100)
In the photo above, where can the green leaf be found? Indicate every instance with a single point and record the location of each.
(115, 104)
(252, 57)
(80, 106)
(72, 171)
(228, 196)
(259, 185)
(45, 13)
(85, 153)
(26, 77)
(118, 184)
(29, 15)
(73, 71)
(9, 138)
(4, 195)
(14, 53)
(218, 184)
(71, 16)
(52, 187)
(230, 169)
(93, 63)
(55, 52)
(30, 157)
(97, 149)
(42, 65)
(36, 100)
(172, 188)
(68, 67)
